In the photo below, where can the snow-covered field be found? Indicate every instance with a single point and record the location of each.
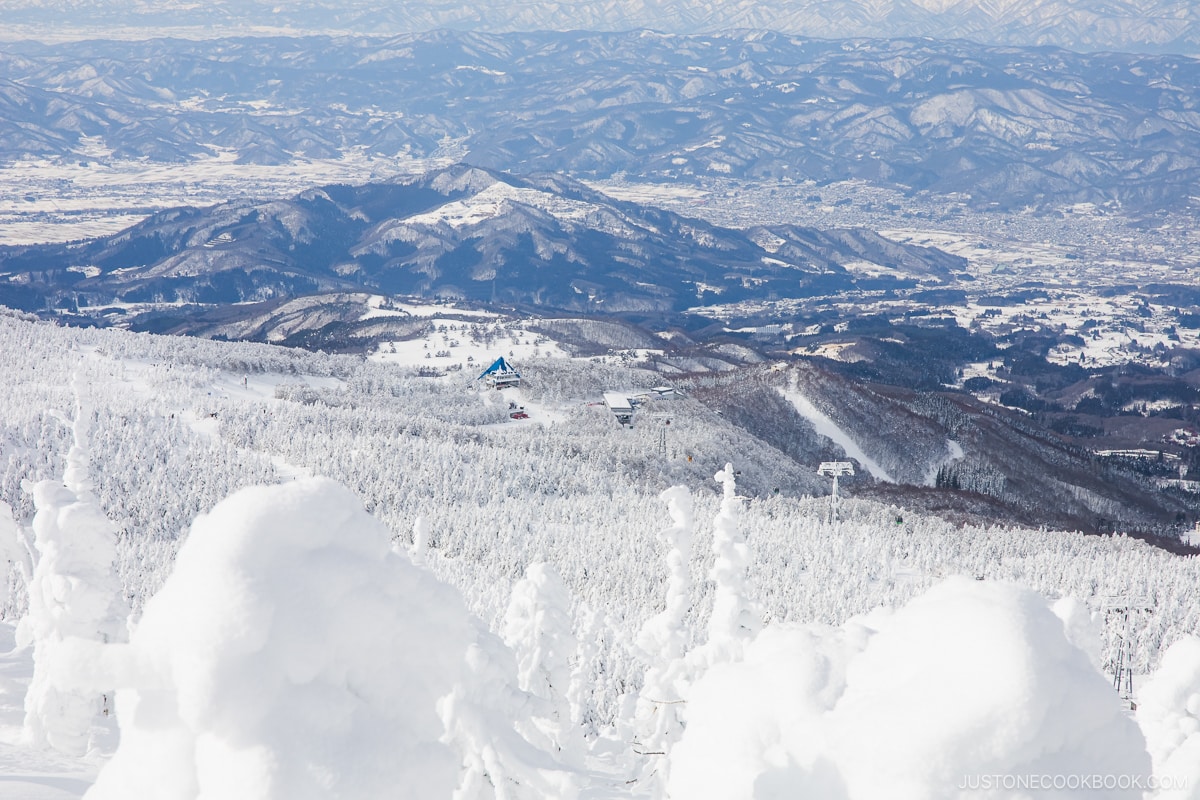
(459, 343)
(454, 343)
(409, 590)
(55, 200)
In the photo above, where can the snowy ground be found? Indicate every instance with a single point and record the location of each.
(451, 346)
(461, 350)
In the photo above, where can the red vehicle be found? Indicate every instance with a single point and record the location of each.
(518, 415)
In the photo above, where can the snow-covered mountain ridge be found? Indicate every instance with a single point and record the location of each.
(991, 126)
(460, 232)
(1147, 26)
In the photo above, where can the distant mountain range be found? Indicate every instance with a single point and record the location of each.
(996, 127)
(1135, 25)
(543, 242)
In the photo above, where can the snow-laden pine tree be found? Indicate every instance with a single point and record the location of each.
(74, 593)
(291, 655)
(588, 677)
(1169, 715)
(663, 642)
(485, 717)
(16, 560)
(538, 627)
(735, 617)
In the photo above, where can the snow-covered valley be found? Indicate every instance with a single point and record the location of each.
(466, 605)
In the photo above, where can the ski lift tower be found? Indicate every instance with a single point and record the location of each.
(1120, 611)
(664, 424)
(835, 470)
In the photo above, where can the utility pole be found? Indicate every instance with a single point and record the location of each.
(835, 469)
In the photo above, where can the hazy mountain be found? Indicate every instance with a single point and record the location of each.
(462, 232)
(1005, 126)
(1152, 25)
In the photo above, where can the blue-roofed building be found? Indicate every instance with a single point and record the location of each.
(500, 375)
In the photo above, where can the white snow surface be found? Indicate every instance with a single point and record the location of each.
(28, 773)
(495, 200)
(445, 348)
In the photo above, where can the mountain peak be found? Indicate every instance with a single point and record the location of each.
(463, 179)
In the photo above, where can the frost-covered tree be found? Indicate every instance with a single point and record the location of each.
(420, 541)
(484, 717)
(588, 674)
(291, 655)
(16, 558)
(735, 617)
(1169, 715)
(969, 680)
(1082, 627)
(663, 642)
(538, 627)
(74, 593)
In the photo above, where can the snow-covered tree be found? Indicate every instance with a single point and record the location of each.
(420, 541)
(1169, 715)
(486, 717)
(290, 655)
(16, 558)
(74, 593)
(735, 617)
(663, 642)
(969, 680)
(538, 627)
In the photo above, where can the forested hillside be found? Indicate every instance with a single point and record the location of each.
(560, 510)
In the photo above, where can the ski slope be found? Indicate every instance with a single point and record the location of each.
(830, 429)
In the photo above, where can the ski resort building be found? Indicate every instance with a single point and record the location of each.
(621, 407)
(500, 375)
